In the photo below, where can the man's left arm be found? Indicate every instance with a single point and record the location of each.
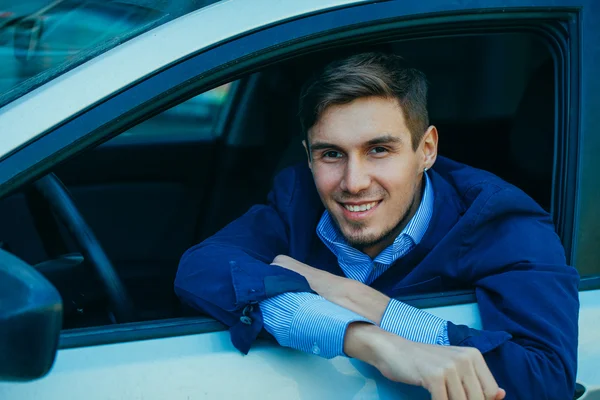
(527, 298)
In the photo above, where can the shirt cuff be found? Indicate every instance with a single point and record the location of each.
(308, 322)
(414, 324)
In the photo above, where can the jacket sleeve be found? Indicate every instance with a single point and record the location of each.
(227, 275)
(527, 296)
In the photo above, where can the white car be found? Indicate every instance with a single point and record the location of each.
(115, 162)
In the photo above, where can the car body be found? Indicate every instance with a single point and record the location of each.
(48, 128)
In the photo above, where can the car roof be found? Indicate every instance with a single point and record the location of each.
(56, 101)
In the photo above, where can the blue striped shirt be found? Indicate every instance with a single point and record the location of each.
(310, 323)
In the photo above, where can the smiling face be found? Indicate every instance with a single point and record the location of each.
(365, 169)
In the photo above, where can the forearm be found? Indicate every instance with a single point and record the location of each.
(353, 296)
(347, 293)
(308, 322)
(391, 315)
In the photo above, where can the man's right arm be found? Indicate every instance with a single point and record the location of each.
(226, 275)
(447, 372)
(312, 324)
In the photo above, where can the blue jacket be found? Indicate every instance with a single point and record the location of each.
(485, 234)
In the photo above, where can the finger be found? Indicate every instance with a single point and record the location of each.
(471, 384)
(501, 394)
(454, 385)
(438, 391)
(486, 379)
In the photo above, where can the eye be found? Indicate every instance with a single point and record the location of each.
(332, 154)
(378, 150)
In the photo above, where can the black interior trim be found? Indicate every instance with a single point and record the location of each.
(589, 283)
(567, 136)
(136, 331)
(572, 137)
(95, 336)
(440, 299)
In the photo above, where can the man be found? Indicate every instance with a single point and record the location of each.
(376, 215)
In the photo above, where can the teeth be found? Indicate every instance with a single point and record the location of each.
(362, 207)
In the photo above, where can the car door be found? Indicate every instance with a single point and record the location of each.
(193, 357)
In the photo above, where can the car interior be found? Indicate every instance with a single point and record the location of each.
(147, 201)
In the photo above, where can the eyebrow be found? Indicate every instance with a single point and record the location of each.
(384, 139)
(322, 146)
(375, 141)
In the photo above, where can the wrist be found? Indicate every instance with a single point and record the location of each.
(381, 349)
(383, 346)
(369, 343)
(359, 341)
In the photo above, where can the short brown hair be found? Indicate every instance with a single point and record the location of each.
(366, 75)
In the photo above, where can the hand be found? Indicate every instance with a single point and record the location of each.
(447, 372)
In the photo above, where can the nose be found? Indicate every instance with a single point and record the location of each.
(356, 176)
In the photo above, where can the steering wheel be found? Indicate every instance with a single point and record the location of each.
(61, 203)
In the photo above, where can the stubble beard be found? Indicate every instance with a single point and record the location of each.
(362, 241)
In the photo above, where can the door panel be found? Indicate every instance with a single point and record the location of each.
(203, 366)
(588, 373)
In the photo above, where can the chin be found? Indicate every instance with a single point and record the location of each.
(362, 239)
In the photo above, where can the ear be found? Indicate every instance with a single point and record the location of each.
(429, 147)
(307, 154)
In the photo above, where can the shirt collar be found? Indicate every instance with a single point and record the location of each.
(415, 229)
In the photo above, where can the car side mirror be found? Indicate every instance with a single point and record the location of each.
(30, 321)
